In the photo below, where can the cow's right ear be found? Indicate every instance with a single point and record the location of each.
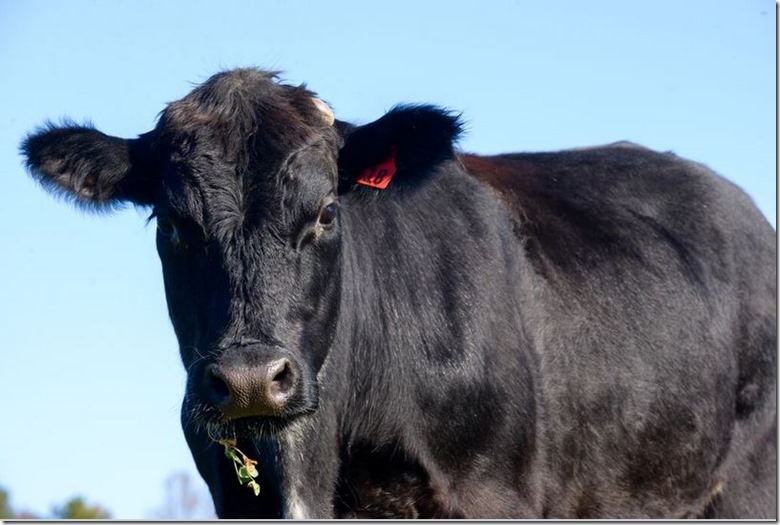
(93, 169)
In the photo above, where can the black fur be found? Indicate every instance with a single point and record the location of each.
(588, 333)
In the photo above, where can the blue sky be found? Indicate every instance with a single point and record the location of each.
(90, 379)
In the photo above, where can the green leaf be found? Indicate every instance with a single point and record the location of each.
(243, 475)
(255, 487)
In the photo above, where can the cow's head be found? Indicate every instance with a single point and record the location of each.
(245, 178)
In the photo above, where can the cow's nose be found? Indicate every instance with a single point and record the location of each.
(257, 390)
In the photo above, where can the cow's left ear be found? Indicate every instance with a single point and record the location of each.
(400, 148)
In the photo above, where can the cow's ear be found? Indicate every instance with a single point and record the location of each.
(400, 148)
(93, 169)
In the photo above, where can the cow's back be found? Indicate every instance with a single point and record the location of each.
(655, 328)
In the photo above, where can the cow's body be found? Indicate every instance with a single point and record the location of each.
(589, 333)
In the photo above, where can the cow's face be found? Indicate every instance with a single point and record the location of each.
(248, 235)
(243, 176)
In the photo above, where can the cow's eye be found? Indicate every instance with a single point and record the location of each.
(328, 214)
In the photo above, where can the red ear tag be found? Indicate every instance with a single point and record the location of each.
(379, 176)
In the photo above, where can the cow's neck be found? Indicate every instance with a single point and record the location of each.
(404, 312)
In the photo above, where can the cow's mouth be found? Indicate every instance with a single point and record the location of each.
(217, 426)
(249, 427)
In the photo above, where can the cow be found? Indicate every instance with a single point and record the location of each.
(393, 328)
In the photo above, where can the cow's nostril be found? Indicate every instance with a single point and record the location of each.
(282, 377)
(216, 385)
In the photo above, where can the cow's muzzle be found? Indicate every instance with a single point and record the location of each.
(254, 381)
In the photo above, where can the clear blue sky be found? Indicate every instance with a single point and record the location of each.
(90, 379)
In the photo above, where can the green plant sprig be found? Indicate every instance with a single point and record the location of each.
(244, 466)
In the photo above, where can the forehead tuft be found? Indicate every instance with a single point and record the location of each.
(242, 105)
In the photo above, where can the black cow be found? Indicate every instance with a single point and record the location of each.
(395, 329)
